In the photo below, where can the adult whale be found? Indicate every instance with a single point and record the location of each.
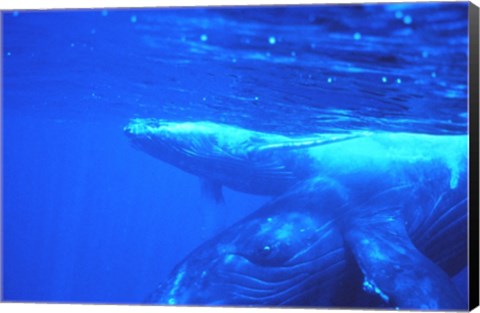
(286, 253)
(291, 254)
(387, 185)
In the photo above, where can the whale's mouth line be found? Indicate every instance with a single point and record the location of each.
(256, 289)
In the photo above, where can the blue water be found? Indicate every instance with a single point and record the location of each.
(87, 218)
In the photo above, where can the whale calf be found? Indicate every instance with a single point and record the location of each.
(270, 164)
(224, 155)
(386, 189)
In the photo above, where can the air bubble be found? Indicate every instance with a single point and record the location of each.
(384, 79)
(133, 19)
(357, 36)
(272, 40)
(407, 20)
(203, 37)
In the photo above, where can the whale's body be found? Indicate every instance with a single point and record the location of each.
(291, 254)
(270, 164)
(396, 200)
(244, 160)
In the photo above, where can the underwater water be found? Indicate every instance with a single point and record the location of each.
(88, 218)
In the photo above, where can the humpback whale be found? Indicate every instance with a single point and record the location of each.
(287, 253)
(396, 199)
(224, 155)
(290, 253)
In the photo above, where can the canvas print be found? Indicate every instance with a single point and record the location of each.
(279, 156)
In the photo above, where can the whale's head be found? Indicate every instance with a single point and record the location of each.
(170, 141)
(200, 148)
(284, 254)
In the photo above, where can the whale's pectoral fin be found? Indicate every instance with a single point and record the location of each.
(214, 213)
(212, 190)
(394, 269)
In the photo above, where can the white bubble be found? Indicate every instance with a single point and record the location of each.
(384, 79)
(407, 20)
(272, 40)
(399, 14)
(399, 81)
(357, 36)
(133, 19)
(329, 80)
(203, 37)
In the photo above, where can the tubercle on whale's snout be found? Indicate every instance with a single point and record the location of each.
(128, 131)
(145, 126)
(138, 127)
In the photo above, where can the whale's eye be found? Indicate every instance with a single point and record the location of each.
(269, 254)
(266, 250)
(264, 254)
